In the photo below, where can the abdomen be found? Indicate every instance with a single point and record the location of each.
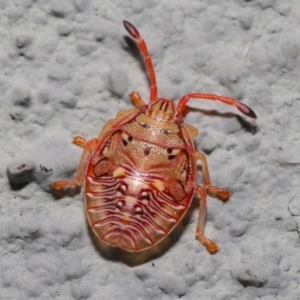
(130, 212)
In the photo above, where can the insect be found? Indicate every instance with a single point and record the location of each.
(140, 173)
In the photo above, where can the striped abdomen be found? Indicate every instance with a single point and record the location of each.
(129, 210)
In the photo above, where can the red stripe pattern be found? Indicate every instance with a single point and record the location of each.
(130, 212)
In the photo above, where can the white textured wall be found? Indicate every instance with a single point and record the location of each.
(66, 69)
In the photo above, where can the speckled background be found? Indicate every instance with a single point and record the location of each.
(68, 66)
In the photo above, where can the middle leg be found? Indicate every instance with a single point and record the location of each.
(88, 146)
(220, 193)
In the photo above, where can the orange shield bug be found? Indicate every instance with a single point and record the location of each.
(140, 173)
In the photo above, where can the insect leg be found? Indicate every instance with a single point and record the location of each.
(211, 247)
(220, 193)
(89, 146)
(80, 141)
(142, 45)
(230, 101)
(136, 99)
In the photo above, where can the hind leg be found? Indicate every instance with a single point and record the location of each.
(211, 247)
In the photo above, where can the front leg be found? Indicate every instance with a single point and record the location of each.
(88, 146)
(136, 99)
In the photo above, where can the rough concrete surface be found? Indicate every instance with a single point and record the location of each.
(67, 66)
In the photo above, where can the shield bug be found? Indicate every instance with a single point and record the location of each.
(140, 173)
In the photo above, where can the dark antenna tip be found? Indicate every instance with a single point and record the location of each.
(246, 110)
(131, 29)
